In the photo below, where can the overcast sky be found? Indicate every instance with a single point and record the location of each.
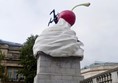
(96, 26)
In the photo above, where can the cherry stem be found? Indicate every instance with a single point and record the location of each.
(84, 4)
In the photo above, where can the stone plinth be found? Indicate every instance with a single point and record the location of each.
(57, 70)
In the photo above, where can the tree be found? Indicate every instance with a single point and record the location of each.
(3, 77)
(27, 60)
(1, 67)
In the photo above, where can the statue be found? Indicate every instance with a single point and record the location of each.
(58, 51)
(59, 40)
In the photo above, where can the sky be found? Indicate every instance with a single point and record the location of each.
(96, 26)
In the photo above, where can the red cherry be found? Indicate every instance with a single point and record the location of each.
(68, 16)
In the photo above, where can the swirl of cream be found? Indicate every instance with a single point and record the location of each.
(58, 41)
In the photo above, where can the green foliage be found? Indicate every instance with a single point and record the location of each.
(1, 67)
(27, 60)
(3, 77)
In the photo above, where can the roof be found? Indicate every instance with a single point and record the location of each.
(98, 64)
(13, 44)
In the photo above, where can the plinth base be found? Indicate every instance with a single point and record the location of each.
(58, 70)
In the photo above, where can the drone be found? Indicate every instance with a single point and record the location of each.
(55, 17)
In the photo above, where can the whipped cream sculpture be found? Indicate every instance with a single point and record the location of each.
(59, 40)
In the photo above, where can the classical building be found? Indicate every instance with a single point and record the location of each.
(96, 68)
(11, 62)
(109, 76)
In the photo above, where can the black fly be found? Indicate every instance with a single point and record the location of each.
(55, 17)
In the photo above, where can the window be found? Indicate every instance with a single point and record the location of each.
(10, 73)
(117, 74)
(13, 75)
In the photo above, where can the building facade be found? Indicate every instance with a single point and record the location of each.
(97, 68)
(11, 51)
(110, 76)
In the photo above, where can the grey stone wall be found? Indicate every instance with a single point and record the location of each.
(57, 70)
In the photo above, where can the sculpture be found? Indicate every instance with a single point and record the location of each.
(55, 48)
(59, 40)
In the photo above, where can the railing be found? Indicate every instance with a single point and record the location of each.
(102, 78)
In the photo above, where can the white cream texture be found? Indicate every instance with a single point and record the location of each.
(58, 41)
